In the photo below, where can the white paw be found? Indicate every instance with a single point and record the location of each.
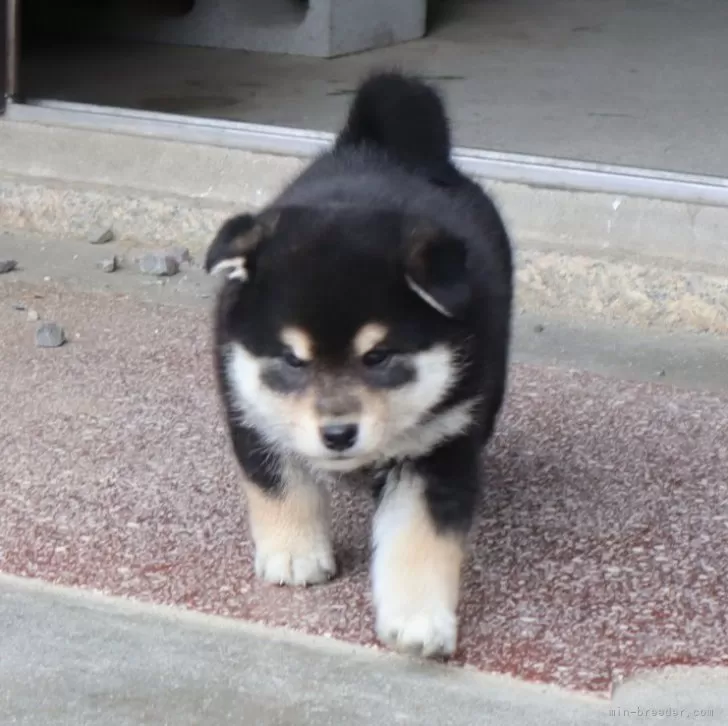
(286, 568)
(430, 632)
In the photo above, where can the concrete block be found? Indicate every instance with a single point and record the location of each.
(321, 28)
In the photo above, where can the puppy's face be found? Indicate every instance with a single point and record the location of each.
(342, 329)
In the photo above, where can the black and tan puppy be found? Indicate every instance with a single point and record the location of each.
(363, 328)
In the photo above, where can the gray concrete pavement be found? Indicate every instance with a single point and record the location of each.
(75, 659)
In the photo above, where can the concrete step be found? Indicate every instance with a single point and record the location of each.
(542, 335)
(609, 256)
(72, 658)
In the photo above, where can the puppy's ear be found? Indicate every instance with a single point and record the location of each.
(236, 242)
(436, 267)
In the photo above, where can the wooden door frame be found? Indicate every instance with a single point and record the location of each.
(9, 51)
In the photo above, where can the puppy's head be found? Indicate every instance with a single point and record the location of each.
(343, 328)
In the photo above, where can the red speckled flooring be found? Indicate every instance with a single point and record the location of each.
(600, 548)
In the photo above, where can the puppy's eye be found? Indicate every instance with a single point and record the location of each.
(292, 360)
(376, 357)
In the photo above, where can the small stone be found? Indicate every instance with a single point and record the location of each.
(7, 266)
(109, 265)
(161, 264)
(19, 306)
(49, 335)
(538, 328)
(33, 316)
(101, 235)
(181, 254)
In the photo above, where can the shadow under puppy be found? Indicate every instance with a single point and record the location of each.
(363, 328)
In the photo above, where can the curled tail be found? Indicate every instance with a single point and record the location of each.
(401, 115)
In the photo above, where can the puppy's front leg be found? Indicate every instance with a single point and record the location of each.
(419, 537)
(290, 527)
(288, 511)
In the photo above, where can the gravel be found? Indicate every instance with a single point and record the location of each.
(181, 254)
(49, 335)
(101, 235)
(109, 265)
(161, 264)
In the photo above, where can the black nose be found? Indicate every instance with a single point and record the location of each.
(339, 437)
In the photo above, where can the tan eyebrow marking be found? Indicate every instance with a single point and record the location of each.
(299, 342)
(368, 337)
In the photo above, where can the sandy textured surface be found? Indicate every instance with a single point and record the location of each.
(600, 548)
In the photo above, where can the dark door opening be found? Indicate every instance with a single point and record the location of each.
(635, 84)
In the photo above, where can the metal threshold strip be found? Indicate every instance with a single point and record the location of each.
(497, 166)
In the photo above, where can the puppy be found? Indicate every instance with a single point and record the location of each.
(363, 329)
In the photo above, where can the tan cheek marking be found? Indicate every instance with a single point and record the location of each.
(368, 337)
(300, 410)
(299, 342)
(374, 411)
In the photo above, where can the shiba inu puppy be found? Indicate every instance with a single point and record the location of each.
(363, 329)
